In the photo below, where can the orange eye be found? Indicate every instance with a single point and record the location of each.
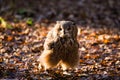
(68, 28)
(59, 29)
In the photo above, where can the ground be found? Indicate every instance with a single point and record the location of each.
(25, 24)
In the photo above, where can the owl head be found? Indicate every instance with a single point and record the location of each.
(66, 29)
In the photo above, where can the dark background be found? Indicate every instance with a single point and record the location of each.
(85, 12)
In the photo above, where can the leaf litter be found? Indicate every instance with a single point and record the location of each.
(22, 39)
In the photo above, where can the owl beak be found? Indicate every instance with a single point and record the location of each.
(65, 34)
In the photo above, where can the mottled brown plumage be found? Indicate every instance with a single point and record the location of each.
(61, 46)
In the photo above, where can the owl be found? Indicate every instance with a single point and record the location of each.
(61, 47)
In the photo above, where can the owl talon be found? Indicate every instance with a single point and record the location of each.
(66, 73)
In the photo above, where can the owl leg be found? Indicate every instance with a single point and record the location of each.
(68, 64)
(48, 59)
(70, 61)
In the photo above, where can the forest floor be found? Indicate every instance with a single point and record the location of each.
(24, 26)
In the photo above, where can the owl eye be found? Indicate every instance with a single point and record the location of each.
(59, 29)
(68, 28)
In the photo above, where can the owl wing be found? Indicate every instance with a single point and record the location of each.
(49, 42)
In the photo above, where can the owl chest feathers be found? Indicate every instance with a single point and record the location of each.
(65, 45)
